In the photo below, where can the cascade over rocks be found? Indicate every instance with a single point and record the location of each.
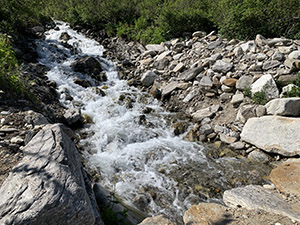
(195, 75)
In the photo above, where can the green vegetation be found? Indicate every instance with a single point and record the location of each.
(10, 79)
(16, 16)
(158, 20)
(259, 98)
(295, 91)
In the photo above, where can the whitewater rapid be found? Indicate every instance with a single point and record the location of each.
(136, 155)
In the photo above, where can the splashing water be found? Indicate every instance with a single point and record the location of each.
(137, 156)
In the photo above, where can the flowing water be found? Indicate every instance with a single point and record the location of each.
(137, 155)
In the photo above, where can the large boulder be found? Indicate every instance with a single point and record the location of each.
(286, 178)
(284, 107)
(47, 186)
(206, 213)
(266, 84)
(88, 65)
(255, 197)
(274, 134)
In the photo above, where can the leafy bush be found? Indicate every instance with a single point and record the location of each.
(259, 98)
(10, 80)
(243, 19)
(17, 15)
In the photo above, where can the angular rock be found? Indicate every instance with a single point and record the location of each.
(249, 46)
(35, 118)
(206, 83)
(222, 66)
(206, 214)
(245, 112)
(267, 85)
(230, 82)
(258, 156)
(73, 117)
(193, 93)
(284, 107)
(273, 134)
(256, 197)
(207, 112)
(260, 40)
(270, 64)
(237, 99)
(169, 88)
(88, 65)
(163, 55)
(244, 82)
(155, 47)
(227, 139)
(148, 78)
(157, 220)
(214, 44)
(47, 186)
(190, 74)
(286, 178)
(237, 145)
(179, 67)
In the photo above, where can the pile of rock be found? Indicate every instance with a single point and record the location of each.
(218, 83)
(213, 80)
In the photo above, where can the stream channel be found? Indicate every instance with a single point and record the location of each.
(136, 155)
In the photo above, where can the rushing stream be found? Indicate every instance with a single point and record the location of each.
(136, 155)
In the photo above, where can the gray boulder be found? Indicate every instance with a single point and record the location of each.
(73, 117)
(190, 74)
(222, 66)
(284, 107)
(243, 82)
(246, 112)
(273, 134)
(266, 84)
(148, 78)
(47, 186)
(88, 65)
(254, 197)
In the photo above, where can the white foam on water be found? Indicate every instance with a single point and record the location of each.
(131, 156)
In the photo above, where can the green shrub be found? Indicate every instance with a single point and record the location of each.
(10, 79)
(294, 92)
(18, 15)
(243, 19)
(259, 98)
